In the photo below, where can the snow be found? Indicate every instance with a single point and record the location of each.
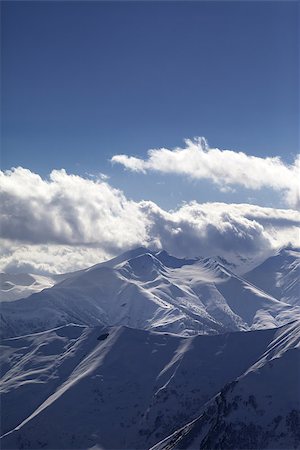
(17, 286)
(279, 275)
(65, 388)
(260, 409)
(152, 291)
(148, 350)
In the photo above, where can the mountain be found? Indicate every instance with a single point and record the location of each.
(152, 291)
(260, 409)
(94, 387)
(21, 285)
(149, 350)
(279, 275)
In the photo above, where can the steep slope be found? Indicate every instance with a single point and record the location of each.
(279, 275)
(149, 291)
(14, 286)
(80, 387)
(259, 410)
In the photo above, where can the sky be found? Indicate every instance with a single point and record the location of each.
(118, 94)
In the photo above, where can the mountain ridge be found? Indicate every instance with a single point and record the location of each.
(251, 411)
(136, 289)
(133, 386)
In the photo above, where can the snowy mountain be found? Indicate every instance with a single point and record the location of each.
(83, 387)
(260, 409)
(146, 346)
(279, 275)
(152, 291)
(21, 285)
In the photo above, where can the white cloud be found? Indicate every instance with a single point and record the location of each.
(69, 222)
(222, 229)
(47, 258)
(223, 167)
(67, 209)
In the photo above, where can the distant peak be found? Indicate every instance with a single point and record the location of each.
(136, 252)
(172, 261)
(140, 249)
(289, 248)
(145, 266)
(144, 259)
(215, 265)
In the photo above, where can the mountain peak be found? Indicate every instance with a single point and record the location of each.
(145, 265)
(172, 261)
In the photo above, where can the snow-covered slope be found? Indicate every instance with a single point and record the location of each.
(279, 275)
(21, 285)
(147, 290)
(120, 388)
(260, 409)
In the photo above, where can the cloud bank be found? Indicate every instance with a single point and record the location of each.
(67, 209)
(67, 222)
(225, 168)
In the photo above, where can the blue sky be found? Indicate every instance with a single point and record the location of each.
(83, 81)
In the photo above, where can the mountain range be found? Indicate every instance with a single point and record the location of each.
(155, 291)
(152, 351)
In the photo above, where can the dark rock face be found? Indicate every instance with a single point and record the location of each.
(102, 337)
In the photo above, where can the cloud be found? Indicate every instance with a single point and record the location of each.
(46, 259)
(68, 222)
(67, 209)
(221, 229)
(225, 168)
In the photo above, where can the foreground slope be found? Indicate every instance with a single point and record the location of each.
(259, 410)
(80, 387)
(153, 291)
